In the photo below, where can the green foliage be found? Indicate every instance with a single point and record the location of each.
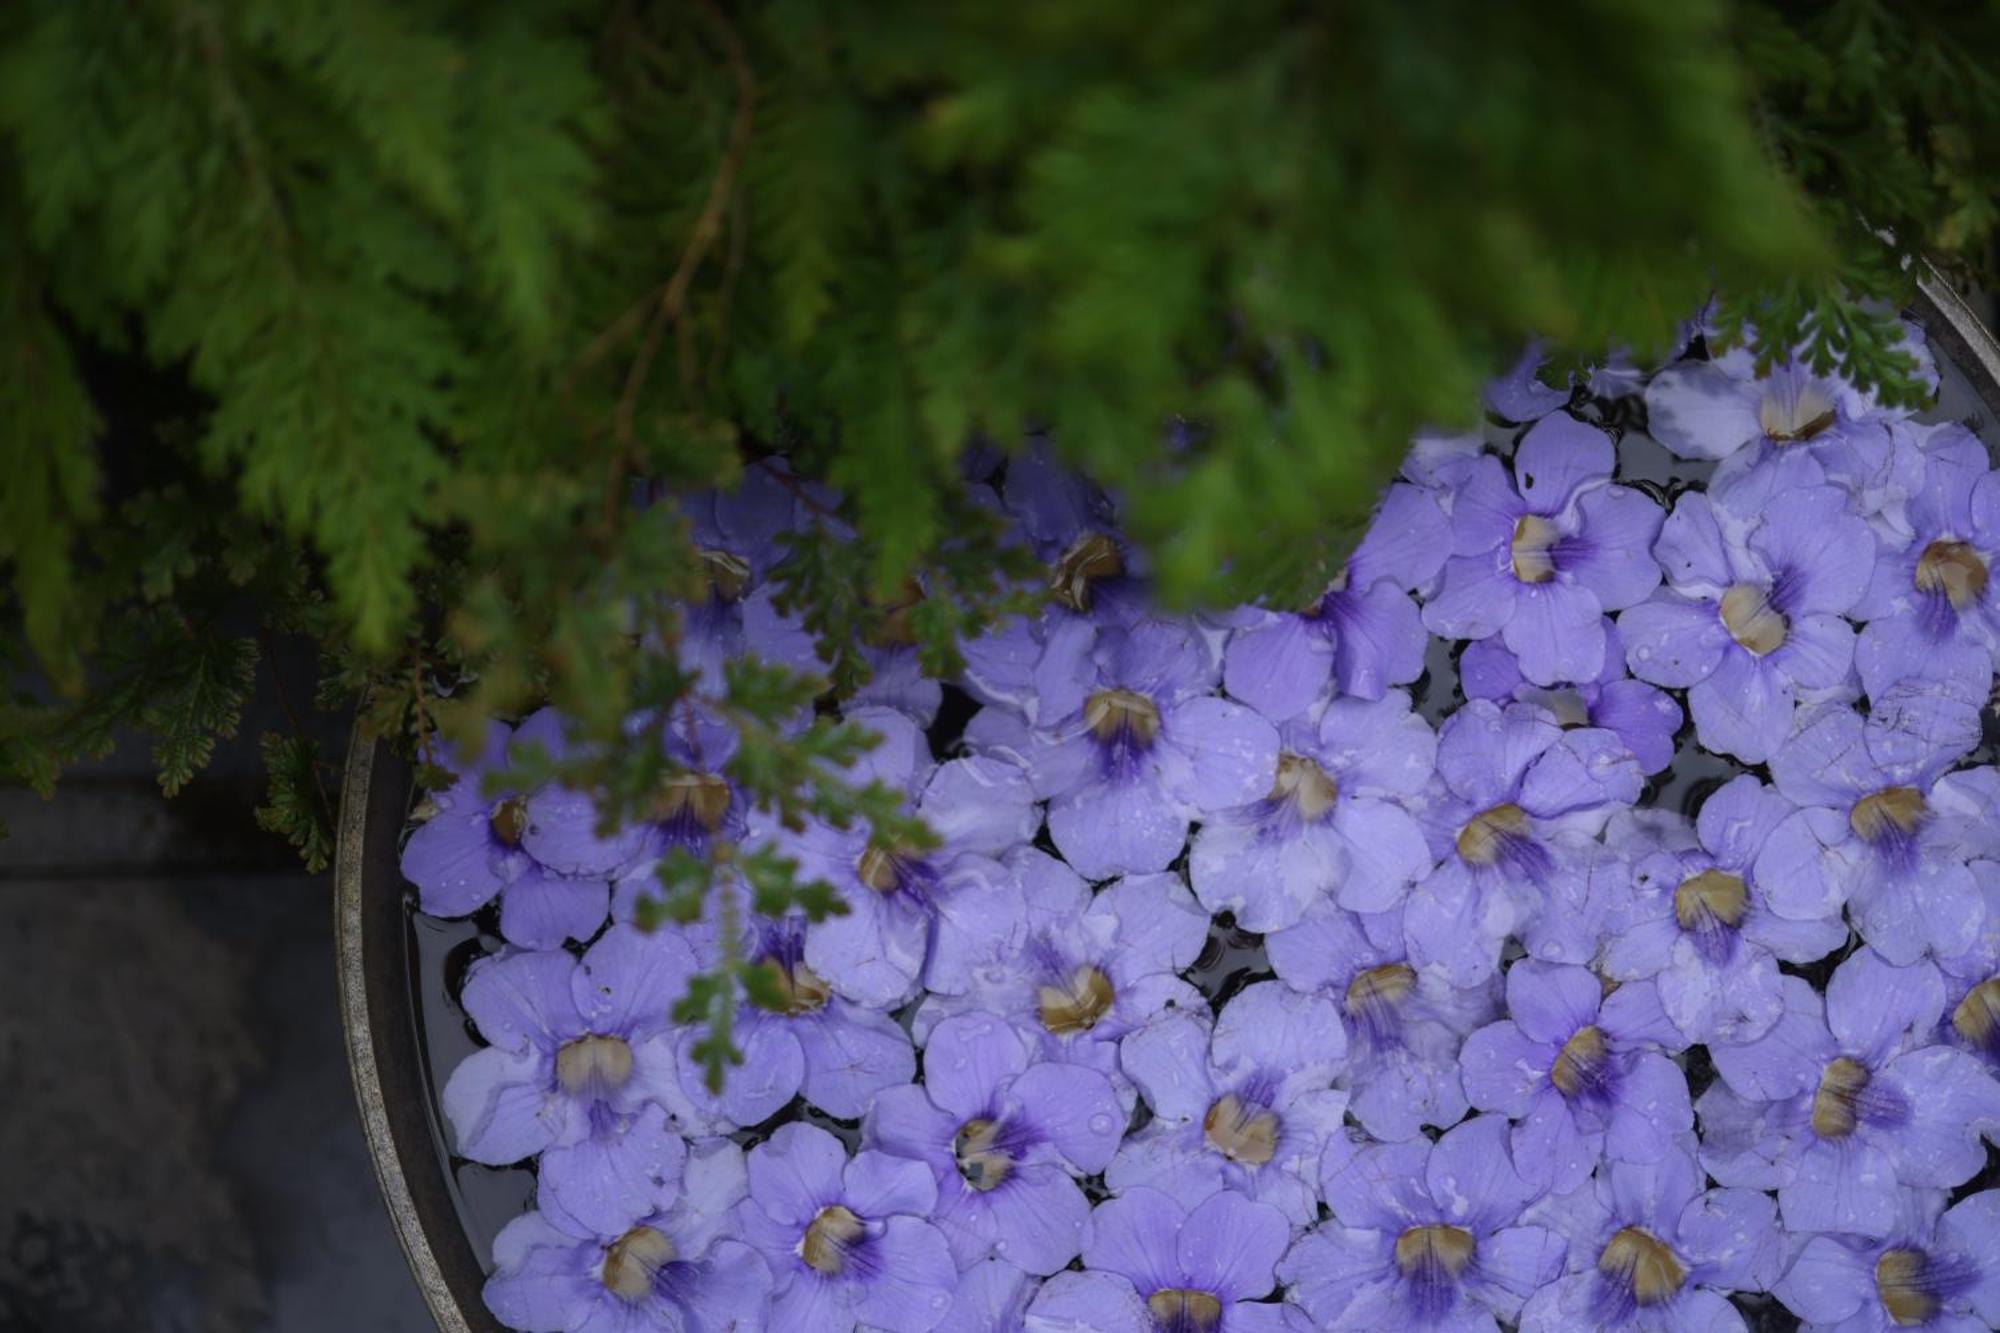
(432, 287)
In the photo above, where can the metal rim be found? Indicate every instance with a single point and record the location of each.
(382, 1051)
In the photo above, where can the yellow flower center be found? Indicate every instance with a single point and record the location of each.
(1977, 1017)
(1091, 558)
(702, 796)
(824, 1246)
(510, 820)
(1242, 1132)
(1077, 1004)
(983, 1164)
(1751, 619)
(1713, 894)
(1899, 1282)
(1530, 551)
(1578, 1062)
(1378, 986)
(1113, 713)
(631, 1261)
(1841, 1083)
(1485, 834)
(1434, 1251)
(1892, 810)
(1800, 418)
(1179, 1308)
(1636, 1256)
(728, 575)
(1954, 569)
(593, 1064)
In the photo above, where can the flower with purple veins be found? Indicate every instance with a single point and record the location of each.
(1750, 623)
(1873, 829)
(1131, 745)
(476, 846)
(1694, 920)
(1580, 1073)
(1247, 1108)
(1404, 1027)
(1091, 967)
(1362, 635)
(836, 1053)
(915, 914)
(1935, 1272)
(1073, 527)
(1330, 823)
(1540, 557)
(1972, 978)
(1639, 715)
(578, 1047)
(1844, 1101)
(1152, 1264)
(846, 1240)
(736, 537)
(1004, 1135)
(1932, 607)
(670, 1269)
(1515, 798)
(1424, 1235)
(1650, 1249)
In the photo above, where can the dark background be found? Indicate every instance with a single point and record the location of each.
(179, 1147)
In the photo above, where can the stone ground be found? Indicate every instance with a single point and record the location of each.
(179, 1148)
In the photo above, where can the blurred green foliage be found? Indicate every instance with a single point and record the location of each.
(443, 279)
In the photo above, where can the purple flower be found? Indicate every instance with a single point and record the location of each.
(1073, 527)
(1972, 978)
(476, 846)
(1933, 1272)
(1329, 824)
(1424, 1235)
(916, 913)
(736, 536)
(1002, 1133)
(845, 1240)
(1248, 1109)
(1154, 1265)
(1840, 1103)
(1639, 715)
(1091, 967)
(1515, 794)
(671, 1269)
(577, 1049)
(1404, 1027)
(1539, 558)
(1523, 395)
(1131, 745)
(1650, 1249)
(1751, 622)
(1871, 831)
(1931, 604)
(1362, 635)
(1694, 919)
(1579, 1071)
(992, 1297)
(835, 1052)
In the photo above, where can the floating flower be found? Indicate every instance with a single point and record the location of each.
(1003, 1134)
(1870, 832)
(1329, 824)
(992, 1297)
(1424, 1235)
(1247, 1109)
(1639, 715)
(671, 1269)
(846, 1240)
(1844, 1101)
(1404, 1027)
(1154, 1265)
(1539, 558)
(1132, 746)
(1579, 1071)
(736, 536)
(1362, 635)
(478, 845)
(1934, 1272)
(1650, 1249)
(1695, 920)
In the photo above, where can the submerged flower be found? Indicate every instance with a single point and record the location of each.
(1539, 558)
(1695, 920)
(1844, 1101)
(476, 845)
(1091, 968)
(577, 1049)
(1404, 1027)
(1362, 635)
(671, 1269)
(1424, 1235)
(1870, 832)
(1579, 1071)
(914, 913)
(1639, 715)
(1515, 790)
(1003, 1134)
(1750, 625)
(1933, 1272)
(1132, 746)
(1247, 1109)
(1154, 1265)
(846, 1240)
(1650, 1249)
(1330, 824)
